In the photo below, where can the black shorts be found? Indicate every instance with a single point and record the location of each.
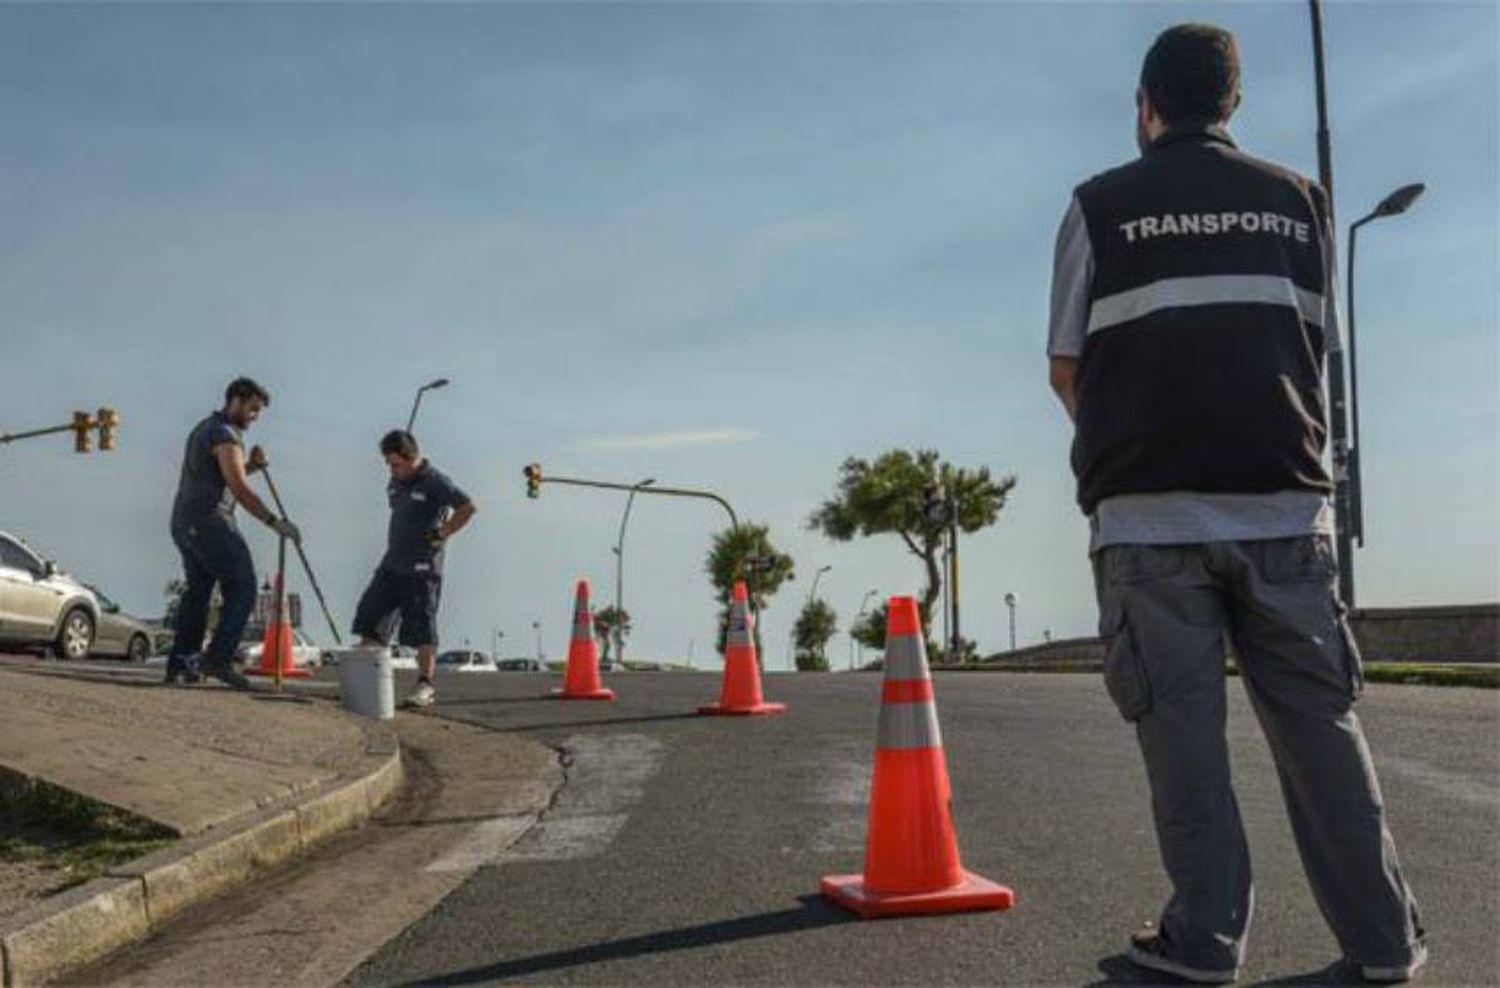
(415, 596)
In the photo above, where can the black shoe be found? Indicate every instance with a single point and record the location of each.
(1148, 949)
(224, 671)
(183, 670)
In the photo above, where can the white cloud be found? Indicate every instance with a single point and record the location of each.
(672, 440)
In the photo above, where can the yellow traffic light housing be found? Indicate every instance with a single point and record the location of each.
(533, 474)
(109, 421)
(82, 442)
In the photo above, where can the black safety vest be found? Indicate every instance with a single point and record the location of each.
(1202, 367)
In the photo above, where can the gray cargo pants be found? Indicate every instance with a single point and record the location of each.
(1166, 611)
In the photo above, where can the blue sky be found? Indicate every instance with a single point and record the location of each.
(720, 245)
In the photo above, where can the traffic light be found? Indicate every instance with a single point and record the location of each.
(109, 421)
(533, 473)
(81, 426)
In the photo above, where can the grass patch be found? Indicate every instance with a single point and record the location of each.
(1397, 673)
(57, 829)
(1428, 674)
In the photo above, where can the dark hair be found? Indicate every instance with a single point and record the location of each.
(244, 387)
(1192, 74)
(400, 442)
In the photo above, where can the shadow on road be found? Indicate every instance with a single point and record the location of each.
(1337, 973)
(1118, 970)
(545, 725)
(813, 913)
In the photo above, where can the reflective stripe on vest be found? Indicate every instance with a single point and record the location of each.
(1218, 289)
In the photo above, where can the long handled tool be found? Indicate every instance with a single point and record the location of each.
(259, 458)
(278, 613)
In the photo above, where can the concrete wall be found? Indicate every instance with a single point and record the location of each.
(1469, 633)
(1428, 634)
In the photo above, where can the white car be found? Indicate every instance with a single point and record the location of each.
(305, 652)
(465, 660)
(40, 605)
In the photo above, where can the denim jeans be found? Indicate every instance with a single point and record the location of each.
(213, 552)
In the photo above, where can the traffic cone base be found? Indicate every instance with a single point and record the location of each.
(971, 894)
(268, 650)
(599, 694)
(754, 710)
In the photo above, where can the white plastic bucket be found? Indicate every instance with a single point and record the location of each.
(365, 682)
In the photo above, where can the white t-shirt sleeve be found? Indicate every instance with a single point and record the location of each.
(1072, 279)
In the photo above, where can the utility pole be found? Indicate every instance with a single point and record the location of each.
(955, 647)
(1344, 470)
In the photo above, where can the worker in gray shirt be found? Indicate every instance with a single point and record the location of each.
(1192, 307)
(212, 482)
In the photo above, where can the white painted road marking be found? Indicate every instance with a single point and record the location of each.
(1451, 784)
(607, 774)
(844, 792)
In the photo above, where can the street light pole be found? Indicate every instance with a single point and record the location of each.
(1010, 602)
(1392, 205)
(1338, 412)
(619, 629)
(813, 590)
(864, 602)
(537, 627)
(791, 637)
(411, 420)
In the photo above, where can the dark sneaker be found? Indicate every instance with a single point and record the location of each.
(1149, 949)
(183, 670)
(224, 671)
(1400, 973)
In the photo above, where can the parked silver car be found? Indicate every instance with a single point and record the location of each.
(120, 635)
(41, 606)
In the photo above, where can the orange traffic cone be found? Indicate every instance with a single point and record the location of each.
(276, 644)
(582, 679)
(911, 851)
(740, 692)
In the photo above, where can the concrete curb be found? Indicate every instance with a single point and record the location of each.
(66, 932)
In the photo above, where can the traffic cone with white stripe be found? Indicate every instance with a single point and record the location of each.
(276, 655)
(740, 694)
(911, 851)
(582, 679)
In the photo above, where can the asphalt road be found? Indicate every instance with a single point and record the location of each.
(687, 850)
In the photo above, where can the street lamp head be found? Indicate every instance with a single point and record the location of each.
(441, 382)
(825, 569)
(1010, 599)
(1400, 201)
(647, 482)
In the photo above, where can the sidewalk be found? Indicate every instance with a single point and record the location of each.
(247, 780)
(190, 759)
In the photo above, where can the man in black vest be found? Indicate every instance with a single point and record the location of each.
(1192, 307)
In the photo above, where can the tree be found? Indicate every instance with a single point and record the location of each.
(746, 553)
(173, 591)
(815, 625)
(869, 630)
(893, 496)
(607, 623)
